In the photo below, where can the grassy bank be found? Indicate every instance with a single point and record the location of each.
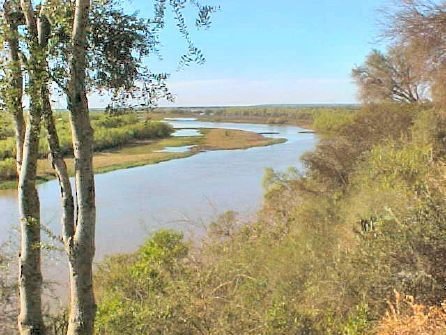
(145, 152)
(109, 133)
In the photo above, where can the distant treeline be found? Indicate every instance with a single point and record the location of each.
(305, 115)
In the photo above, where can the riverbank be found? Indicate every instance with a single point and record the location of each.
(146, 152)
(304, 122)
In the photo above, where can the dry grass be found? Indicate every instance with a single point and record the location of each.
(224, 139)
(405, 317)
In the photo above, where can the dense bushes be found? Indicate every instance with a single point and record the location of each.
(106, 138)
(325, 254)
(8, 294)
(407, 317)
(331, 121)
(147, 299)
(8, 169)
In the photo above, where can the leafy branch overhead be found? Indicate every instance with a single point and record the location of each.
(120, 45)
(75, 47)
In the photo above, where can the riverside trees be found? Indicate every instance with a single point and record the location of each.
(58, 43)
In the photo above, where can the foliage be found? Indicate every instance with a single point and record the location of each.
(419, 26)
(119, 46)
(390, 77)
(145, 300)
(8, 298)
(332, 121)
(8, 169)
(109, 132)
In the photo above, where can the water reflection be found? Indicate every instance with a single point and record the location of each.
(187, 132)
(182, 149)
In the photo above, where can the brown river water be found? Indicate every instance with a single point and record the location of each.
(184, 194)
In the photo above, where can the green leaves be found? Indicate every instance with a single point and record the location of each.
(138, 293)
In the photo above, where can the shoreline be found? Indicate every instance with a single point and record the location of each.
(142, 153)
(305, 124)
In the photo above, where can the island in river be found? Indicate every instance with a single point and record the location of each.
(145, 152)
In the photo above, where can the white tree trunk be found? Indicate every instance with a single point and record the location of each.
(30, 320)
(30, 275)
(82, 304)
(15, 96)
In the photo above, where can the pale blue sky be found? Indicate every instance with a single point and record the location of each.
(272, 52)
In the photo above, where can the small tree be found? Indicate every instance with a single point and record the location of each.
(78, 47)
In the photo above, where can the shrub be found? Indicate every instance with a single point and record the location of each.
(8, 169)
(145, 293)
(322, 256)
(332, 121)
(405, 317)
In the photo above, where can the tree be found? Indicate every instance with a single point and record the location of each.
(27, 138)
(58, 49)
(421, 26)
(389, 77)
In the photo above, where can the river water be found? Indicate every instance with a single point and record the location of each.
(183, 194)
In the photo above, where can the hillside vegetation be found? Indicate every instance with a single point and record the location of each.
(326, 255)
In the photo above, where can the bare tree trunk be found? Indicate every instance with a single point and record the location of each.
(30, 320)
(14, 99)
(55, 155)
(82, 305)
(20, 126)
(30, 277)
(60, 167)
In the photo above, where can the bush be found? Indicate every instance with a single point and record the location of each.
(332, 121)
(145, 294)
(8, 169)
(109, 131)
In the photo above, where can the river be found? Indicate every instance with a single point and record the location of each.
(183, 194)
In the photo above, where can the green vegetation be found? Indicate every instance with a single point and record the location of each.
(110, 132)
(331, 121)
(303, 116)
(149, 152)
(8, 288)
(124, 141)
(226, 139)
(324, 256)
